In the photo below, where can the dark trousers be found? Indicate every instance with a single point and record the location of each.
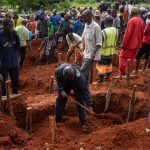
(145, 50)
(86, 67)
(60, 106)
(22, 54)
(14, 76)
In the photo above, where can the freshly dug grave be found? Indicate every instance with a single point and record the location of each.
(10, 134)
(44, 105)
(102, 133)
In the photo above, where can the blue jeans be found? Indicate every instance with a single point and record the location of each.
(61, 103)
(86, 67)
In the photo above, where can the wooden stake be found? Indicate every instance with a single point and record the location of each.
(149, 82)
(131, 111)
(148, 65)
(1, 102)
(91, 73)
(47, 146)
(51, 87)
(108, 95)
(7, 83)
(59, 58)
(117, 60)
(37, 77)
(128, 71)
(29, 119)
(52, 123)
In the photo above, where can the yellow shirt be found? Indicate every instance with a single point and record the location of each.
(110, 36)
(19, 21)
(23, 34)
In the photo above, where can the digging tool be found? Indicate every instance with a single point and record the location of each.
(131, 111)
(115, 117)
(108, 95)
(8, 99)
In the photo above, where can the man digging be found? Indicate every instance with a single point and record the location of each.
(69, 78)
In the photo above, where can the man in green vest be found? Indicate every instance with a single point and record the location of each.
(110, 36)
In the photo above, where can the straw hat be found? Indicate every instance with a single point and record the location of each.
(135, 10)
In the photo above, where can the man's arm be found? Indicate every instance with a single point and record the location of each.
(128, 34)
(59, 80)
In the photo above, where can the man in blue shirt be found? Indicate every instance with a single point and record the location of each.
(69, 78)
(9, 63)
(79, 26)
(55, 19)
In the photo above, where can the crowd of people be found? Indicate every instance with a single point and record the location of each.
(91, 35)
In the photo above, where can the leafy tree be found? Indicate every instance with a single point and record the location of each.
(21, 4)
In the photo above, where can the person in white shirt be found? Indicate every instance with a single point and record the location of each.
(92, 39)
(129, 7)
(75, 45)
(148, 18)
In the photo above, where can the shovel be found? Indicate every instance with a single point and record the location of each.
(117, 119)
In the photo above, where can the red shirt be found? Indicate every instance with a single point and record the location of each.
(146, 38)
(32, 26)
(134, 34)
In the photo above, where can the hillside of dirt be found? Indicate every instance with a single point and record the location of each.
(107, 132)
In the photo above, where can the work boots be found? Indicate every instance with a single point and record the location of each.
(101, 78)
(137, 66)
(145, 65)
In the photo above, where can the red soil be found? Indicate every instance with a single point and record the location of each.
(103, 133)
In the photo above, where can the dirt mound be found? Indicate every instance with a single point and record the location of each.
(120, 137)
(10, 134)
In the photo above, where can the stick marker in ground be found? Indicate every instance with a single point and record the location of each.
(51, 87)
(148, 65)
(9, 104)
(52, 122)
(59, 59)
(37, 76)
(131, 111)
(1, 102)
(29, 119)
(149, 82)
(108, 95)
(128, 71)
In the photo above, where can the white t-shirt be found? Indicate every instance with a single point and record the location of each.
(91, 37)
(77, 39)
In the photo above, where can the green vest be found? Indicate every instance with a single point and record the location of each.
(110, 36)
